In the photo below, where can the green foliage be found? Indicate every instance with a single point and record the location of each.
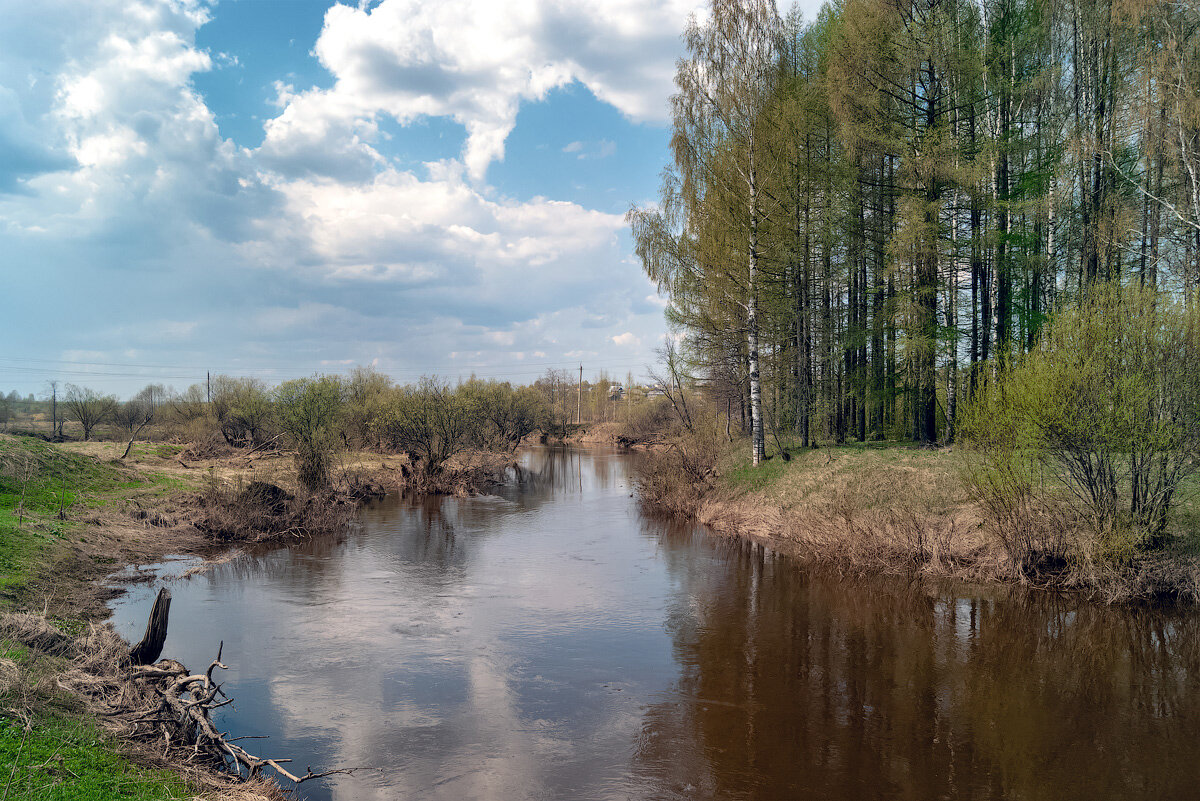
(310, 413)
(249, 415)
(910, 192)
(366, 396)
(504, 416)
(1103, 416)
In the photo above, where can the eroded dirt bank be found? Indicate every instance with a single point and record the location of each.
(892, 510)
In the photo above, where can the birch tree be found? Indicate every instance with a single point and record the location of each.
(723, 85)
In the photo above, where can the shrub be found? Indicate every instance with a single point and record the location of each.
(1102, 418)
(309, 412)
(431, 422)
(677, 475)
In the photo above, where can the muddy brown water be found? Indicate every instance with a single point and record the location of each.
(554, 642)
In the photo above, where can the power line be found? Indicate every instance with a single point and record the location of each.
(400, 375)
(291, 369)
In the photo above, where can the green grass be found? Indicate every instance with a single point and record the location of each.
(62, 756)
(36, 481)
(742, 476)
(739, 476)
(39, 479)
(68, 759)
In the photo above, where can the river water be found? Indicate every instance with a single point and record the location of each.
(552, 641)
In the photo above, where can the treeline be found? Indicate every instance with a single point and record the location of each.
(870, 214)
(431, 420)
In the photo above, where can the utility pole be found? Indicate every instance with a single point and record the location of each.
(208, 384)
(579, 397)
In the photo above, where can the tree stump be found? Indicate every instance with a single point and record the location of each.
(148, 650)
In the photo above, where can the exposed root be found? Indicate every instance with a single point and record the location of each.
(183, 719)
(162, 711)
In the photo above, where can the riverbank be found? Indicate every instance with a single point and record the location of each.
(73, 513)
(903, 510)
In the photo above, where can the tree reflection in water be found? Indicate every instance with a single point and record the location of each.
(795, 685)
(554, 641)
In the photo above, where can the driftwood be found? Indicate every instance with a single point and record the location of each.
(182, 716)
(129, 445)
(151, 644)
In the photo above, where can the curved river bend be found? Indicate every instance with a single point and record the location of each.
(554, 642)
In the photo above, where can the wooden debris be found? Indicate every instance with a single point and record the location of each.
(151, 644)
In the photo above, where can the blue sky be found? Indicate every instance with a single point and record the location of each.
(280, 187)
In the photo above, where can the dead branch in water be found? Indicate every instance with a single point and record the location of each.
(163, 710)
(183, 716)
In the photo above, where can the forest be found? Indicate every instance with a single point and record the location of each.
(871, 215)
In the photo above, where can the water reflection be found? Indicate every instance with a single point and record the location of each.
(551, 641)
(793, 685)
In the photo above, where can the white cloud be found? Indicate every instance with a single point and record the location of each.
(625, 340)
(119, 191)
(476, 61)
(140, 153)
(595, 150)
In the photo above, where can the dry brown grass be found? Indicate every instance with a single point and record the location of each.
(910, 511)
(92, 669)
(859, 510)
(865, 511)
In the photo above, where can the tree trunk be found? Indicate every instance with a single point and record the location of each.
(758, 440)
(147, 651)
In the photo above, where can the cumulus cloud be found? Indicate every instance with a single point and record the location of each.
(476, 61)
(118, 187)
(137, 152)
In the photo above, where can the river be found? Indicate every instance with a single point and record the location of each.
(552, 641)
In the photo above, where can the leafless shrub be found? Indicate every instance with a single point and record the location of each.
(678, 475)
(263, 512)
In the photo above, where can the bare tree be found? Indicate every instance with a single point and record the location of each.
(137, 413)
(88, 407)
(670, 383)
(431, 422)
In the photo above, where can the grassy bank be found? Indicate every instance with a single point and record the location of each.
(67, 517)
(900, 509)
(51, 547)
(70, 759)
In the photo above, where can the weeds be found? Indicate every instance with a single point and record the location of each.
(47, 678)
(263, 512)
